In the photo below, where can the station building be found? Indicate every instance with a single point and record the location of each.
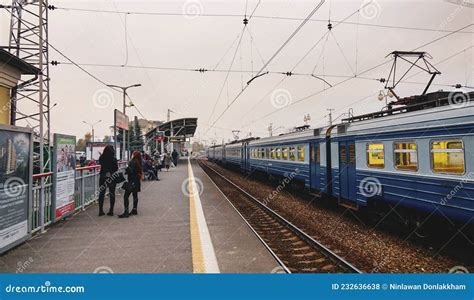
(11, 70)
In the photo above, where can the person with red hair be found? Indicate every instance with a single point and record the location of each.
(132, 186)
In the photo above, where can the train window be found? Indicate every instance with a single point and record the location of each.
(342, 154)
(272, 153)
(284, 153)
(301, 153)
(278, 153)
(375, 156)
(352, 156)
(406, 157)
(447, 157)
(262, 150)
(267, 153)
(292, 153)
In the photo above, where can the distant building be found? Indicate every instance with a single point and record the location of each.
(8, 161)
(146, 125)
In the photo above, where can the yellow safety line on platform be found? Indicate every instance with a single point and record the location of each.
(203, 255)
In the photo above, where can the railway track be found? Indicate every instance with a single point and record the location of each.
(296, 251)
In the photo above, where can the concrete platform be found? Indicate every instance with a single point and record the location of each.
(168, 235)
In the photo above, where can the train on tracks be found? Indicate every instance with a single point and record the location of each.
(416, 156)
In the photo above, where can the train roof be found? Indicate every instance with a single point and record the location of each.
(407, 118)
(292, 136)
(416, 103)
(243, 141)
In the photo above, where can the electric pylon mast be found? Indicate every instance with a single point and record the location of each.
(30, 99)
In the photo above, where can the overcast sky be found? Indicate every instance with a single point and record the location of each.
(196, 40)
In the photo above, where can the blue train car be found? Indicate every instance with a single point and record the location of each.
(233, 154)
(420, 160)
(219, 153)
(294, 155)
(211, 153)
(417, 157)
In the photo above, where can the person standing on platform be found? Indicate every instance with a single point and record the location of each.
(133, 185)
(167, 161)
(175, 157)
(108, 166)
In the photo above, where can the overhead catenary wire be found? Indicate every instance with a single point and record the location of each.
(424, 83)
(263, 67)
(313, 72)
(78, 65)
(126, 41)
(170, 14)
(295, 32)
(228, 73)
(254, 9)
(361, 73)
(280, 72)
(308, 52)
(226, 52)
(255, 45)
(342, 53)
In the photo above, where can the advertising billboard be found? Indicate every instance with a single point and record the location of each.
(16, 149)
(160, 136)
(94, 150)
(64, 167)
(121, 120)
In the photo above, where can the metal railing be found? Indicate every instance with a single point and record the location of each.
(86, 193)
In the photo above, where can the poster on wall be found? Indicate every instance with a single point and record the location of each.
(64, 166)
(15, 185)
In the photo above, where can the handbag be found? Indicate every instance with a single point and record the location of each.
(127, 186)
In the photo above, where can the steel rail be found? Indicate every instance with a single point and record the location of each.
(335, 259)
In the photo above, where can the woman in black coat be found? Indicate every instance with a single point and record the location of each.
(108, 167)
(134, 173)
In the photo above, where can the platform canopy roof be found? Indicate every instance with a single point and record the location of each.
(180, 127)
(8, 59)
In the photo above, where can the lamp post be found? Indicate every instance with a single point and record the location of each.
(124, 92)
(92, 127)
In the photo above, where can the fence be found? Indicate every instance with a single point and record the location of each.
(86, 193)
